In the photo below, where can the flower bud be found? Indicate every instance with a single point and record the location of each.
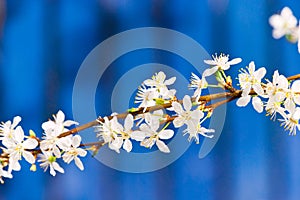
(32, 133)
(33, 168)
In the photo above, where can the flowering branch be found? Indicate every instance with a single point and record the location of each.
(285, 24)
(158, 108)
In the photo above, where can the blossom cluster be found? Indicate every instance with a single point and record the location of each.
(151, 128)
(160, 112)
(16, 145)
(278, 96)
(286, 24)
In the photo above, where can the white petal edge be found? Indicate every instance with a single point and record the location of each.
(257, 104)
(166, 134)
(162, 146)
(243, 101)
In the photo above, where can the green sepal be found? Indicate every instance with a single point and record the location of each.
(132, 110)
(52, 159)
(219, 77)
(32, 133)
(159, 101)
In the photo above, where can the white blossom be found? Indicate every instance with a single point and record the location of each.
(127, 133)
(273, 107)
(284, 23)
(280, 92)
(196, 130)
(145, 96)
(49, 161)
(73, 151)
(248, 80)
(153, 136)
(159, 82)
(292, 96)
(117, 136)
(109, 131)
(219, 63)
(186, 115)
(155, 89)
(291, 121)
(276, 90)
(7, 128)
(197, 84)
(158, 114)
(58, 125)
(4, 173)
(52, 129)
(17, 147)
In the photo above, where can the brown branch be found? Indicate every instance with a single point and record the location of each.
(99, 143)
(205, 98)
(79, 128)
(295, 77)
(233, 94)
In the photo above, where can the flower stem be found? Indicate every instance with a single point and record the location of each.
(230, 96)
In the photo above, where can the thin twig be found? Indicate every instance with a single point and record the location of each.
(233, 94)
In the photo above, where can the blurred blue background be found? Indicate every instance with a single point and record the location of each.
(43, 44)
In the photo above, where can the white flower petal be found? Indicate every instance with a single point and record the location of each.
(30, 143)
(289, 105)
(235, 61)
(138, 135)
(145, 128)
(52, 171)
(282, 82)
(14, 165)
(48, 125)
(116, 143)
(251, 67)
(128, 123)
(162, 146)
(210, 62)
(28, 157)
(279, 96)
(16, 121)
(65, 142)
(79, 163)
(68, 123)
(76, 140)
(60, 117)
(161, 76)
(210, 71)
(258, 89)
(243, 101)
(197, 114)
(177, 107)
(127, 145)
(260, 73)
(203, 132)
(170, 81)
(81, 152)
(296, 85)
(56, 152)
(154, 125)
(278, 33)
(8, 143)
(57, 167)
(166, 134)
(297, 99)
(19, 134)
(178, 122)
(257, 104)
(274, 20)
(187, 104)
